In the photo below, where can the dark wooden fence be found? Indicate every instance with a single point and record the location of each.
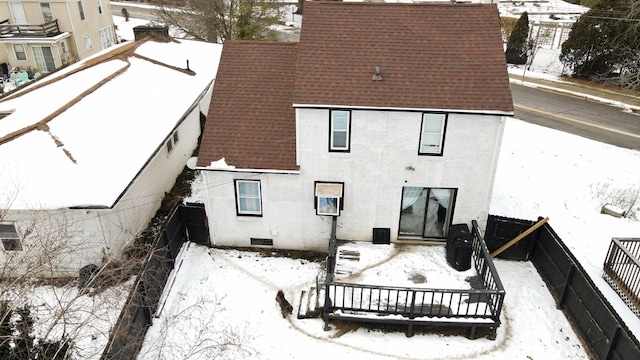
(186, 223)
(592, 316)
(419, 306)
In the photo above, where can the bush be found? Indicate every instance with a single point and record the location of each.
(18, 343)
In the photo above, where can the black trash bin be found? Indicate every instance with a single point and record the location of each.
(458, 247)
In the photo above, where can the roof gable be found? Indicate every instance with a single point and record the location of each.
(433, 56)
(251, 122)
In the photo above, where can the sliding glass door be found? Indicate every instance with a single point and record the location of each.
(426, 212)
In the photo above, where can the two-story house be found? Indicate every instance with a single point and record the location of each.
(42, 36)
(386, 116)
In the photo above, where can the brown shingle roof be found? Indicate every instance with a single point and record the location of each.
(431, 56)
(434, 56)
(251, 121)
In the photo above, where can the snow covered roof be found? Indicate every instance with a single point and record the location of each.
(80, 136)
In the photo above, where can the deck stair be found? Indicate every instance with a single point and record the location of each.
(311, 302)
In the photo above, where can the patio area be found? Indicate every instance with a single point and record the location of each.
(408, 285)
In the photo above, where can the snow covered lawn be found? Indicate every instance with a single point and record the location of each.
(222, 295)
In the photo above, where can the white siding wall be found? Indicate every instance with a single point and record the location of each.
(71, 238)
(383, 145)
(136, 208)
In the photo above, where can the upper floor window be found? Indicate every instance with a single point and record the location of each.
(47, 14)
(339, 130)
(20, 53)
(99, 6)
(432, 134)
(248, 197)
(10, 238)
(81, 9)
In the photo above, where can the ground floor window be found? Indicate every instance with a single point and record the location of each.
(248, 197)
(10, 238)
(106, 37)
(328, 196)
(44, 58)
(426, 212)
(21, 54)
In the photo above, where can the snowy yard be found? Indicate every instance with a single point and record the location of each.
(226, 297)
(231, 292)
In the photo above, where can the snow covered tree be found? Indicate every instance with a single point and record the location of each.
(518, 45)
(218, 20)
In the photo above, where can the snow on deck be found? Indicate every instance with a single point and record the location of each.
(416, 266)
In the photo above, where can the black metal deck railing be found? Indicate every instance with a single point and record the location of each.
(622, 270)
(445, 307)
(47, 29)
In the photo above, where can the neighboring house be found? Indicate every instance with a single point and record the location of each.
(42, 36)
(386, 116)
(87, 154)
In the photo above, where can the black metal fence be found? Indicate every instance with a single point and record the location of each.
(592, 316)
(184, 223)
(622, 270)
(419, 306)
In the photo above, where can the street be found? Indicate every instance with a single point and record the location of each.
(587, 118)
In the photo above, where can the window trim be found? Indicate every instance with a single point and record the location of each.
(24, 51)
(41, 59)
(238, 197)
(334, 190)
(442, 133)
(44, 13)
(332, 147)
(81, 10)
(453, 199)
(10, 243)
(106, 37)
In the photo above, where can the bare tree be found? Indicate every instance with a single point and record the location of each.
(194, 332)
(218, 20)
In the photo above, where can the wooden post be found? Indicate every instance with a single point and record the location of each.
(519, 237)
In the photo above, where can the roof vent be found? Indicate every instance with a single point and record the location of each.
(376, 74)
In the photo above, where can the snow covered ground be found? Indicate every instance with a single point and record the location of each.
(228, 292)
(227, 296)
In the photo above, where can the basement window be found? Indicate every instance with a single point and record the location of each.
(10, 238)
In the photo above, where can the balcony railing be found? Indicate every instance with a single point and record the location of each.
(622, 270)
(48, 29)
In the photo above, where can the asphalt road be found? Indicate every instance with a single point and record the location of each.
(135, 12)
(587, 118)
